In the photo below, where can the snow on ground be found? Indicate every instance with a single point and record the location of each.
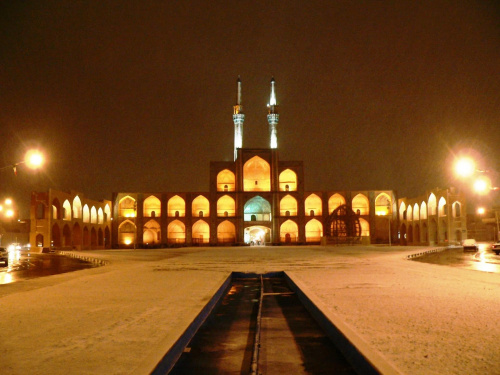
(122, 318)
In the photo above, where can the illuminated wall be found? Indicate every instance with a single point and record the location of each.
(256, 175)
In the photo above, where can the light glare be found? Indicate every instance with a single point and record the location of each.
(465, 167)
(34, 159)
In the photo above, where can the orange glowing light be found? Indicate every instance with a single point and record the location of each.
(34, 159)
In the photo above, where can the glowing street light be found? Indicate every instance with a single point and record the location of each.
(33, 159)
(482, 185)
(465, 167)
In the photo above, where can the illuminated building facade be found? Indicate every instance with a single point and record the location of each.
(437, 217)
(254, 199)
(69, 221)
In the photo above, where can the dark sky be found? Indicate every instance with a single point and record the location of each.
(138, 95)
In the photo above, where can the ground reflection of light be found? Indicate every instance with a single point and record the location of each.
(5, 278)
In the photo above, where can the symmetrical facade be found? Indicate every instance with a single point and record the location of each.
(254, 199)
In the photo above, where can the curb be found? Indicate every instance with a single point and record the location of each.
(99, 262)
(426, 252)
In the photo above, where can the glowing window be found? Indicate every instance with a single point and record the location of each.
(86, 214)
(54, 212)
(383, 204)
(256, 175)
(66, 210)
(56, 209)
(335, 201)
(442, 207)
(93, 215)
(314, 231)
(288, 204)
(201, 232)
(127, 207)
(107, 213)
(100, 216)
(151, 233)
(200, 206)
(226, 232)
(416, 212)
(226, 206)
(402, 211)
(313, 205)
(423, 211)
(432, 204)
(289, 231)
(152, 207)
(365, 227)
(176, 232)
(259, 208)
(225, 180)
(176, 207)
(77, 208)
(360, 204)
(409, 213)
(288, 180)
(126, 233)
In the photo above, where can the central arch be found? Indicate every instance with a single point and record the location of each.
(257, 235)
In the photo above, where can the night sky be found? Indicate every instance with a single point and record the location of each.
(138, 95)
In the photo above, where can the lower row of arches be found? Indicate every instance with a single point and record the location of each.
(226, 232)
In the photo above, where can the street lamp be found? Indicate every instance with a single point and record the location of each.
(33, 159)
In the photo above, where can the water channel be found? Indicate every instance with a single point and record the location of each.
(290, 340)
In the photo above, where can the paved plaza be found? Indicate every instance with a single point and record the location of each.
(121, 318)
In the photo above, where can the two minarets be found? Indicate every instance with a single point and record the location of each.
(239, 118)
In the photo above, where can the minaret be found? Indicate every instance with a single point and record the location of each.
(238, 118)
(273, 117)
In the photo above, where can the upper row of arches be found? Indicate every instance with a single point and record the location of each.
(226, 206)
(75, 210)
(432, 207)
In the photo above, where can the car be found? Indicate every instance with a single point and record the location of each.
(470, 244)
(4, 256)
(496, 248)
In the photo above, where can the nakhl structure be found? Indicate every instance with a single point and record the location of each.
(254, 199)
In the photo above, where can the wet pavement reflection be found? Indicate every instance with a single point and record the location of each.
(483, 260)
(25, 265)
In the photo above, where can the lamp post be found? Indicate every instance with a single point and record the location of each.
(33, 159)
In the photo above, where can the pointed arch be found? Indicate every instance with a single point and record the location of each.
(335, 201)
(256, 175)
(107, 213)
(288, 206)
(66, 210)
(257, 209)
(365, 227)
(361, 204)
(201, 232)
(93, 215)
(176, 207)
(226, 232)
(226, 206)
(409, 213)
(77, 208)
(423, 211)
(152, 207)
(288, 180)
(100, 216)
(225, 180)
(176, 232)
(86, 214)
(383, 204)
(457, 209)
(416, 212)
(127, 207)
(442, 207)
(314, 231)
(402, 211)
(200, 207)
(56, 209)
(126, 233)
(151, 233)
(313, 205)
(289, 231)
(432, 204)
